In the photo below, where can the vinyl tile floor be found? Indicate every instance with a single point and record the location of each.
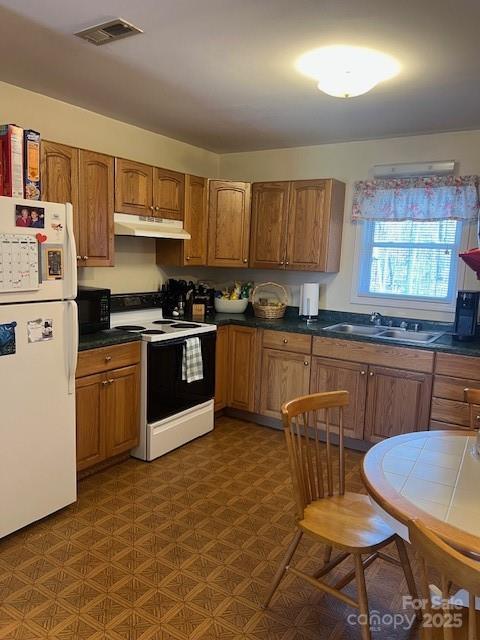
(181, 548)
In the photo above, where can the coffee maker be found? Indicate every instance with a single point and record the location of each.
(466, 316)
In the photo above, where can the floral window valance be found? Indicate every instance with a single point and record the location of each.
(428, 198)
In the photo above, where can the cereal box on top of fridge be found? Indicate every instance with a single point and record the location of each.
(11, 138)
(31, 164)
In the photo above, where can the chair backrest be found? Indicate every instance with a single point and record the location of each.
(452, 567)
(472, 396)
(301, 421)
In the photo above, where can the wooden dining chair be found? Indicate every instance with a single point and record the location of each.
(453, 567)
(472, 397)
(325, 511)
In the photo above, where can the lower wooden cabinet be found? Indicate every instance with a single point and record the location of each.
(221, 368)
(284, 376)
(397, 402)
(332, 375)
(90, 421)
(107, 404)
(241, 380)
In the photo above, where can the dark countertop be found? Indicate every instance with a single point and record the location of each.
(291, 322)
(106, 338)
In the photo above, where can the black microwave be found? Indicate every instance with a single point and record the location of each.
(93, 309)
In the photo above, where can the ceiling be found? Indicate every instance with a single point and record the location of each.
(220, 73)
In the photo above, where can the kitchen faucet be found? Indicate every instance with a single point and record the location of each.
(376, 318)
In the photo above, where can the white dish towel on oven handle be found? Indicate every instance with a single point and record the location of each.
(192, 363)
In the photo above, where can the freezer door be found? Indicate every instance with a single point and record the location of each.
(37, 411)
(49, 227)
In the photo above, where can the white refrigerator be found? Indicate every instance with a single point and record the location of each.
(38, 356)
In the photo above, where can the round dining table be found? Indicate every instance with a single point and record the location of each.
(433, 476)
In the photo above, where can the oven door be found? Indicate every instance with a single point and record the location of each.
(167, 393)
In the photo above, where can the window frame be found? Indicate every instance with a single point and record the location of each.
(363, 257)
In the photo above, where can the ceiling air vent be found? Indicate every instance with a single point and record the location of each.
(108, 31)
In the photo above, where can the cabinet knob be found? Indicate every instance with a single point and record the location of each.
(362, 373)
(477, 418)
(187, 258)
(245, 260)
(157, 208)
(306, 363)
(285, 340)
(104, 382)
(110, 380)
(371, 373)
(281, 262)
(108, 358)
(151, 207)
(79, 257)
(287, 262)
(85, 258)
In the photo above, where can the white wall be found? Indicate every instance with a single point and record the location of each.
(349, 162)
(135, 266)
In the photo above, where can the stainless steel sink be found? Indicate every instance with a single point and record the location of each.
(421, 337)
(386, 333)
(358, 329)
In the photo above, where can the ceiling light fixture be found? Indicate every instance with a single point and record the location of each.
(344, 72)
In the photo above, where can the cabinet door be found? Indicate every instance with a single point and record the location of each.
(241, 392)
(122, 409)
(306, 244)
(133, 187)
(285, 376)
(221, 369)
(337, 375)
(228, 224)
(168, 194)
(397, 402)
(268, 239)
(90, 421)
(59, 170)
(96, 208)
(196, 220)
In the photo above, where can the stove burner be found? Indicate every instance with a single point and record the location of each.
(162, 322)
(130, 327)
(152, 332)
(184, 325)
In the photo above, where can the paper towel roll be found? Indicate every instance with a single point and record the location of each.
(309, 297)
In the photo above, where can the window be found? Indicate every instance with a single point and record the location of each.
(410, 260)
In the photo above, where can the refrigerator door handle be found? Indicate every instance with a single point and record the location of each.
(71, 274)
(72, 339)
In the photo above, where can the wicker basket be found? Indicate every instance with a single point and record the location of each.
(270, 311)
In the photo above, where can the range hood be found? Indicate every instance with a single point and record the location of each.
(148, 227)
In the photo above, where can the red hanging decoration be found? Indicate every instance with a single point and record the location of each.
(472, 259)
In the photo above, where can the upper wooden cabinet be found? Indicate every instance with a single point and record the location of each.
(189, 252)
(228, 224)
(59, 170)
(268, 247)
(297, 225)
(148, 191)
(133, 187)
(95, 209)
(168, 194)
(85, 179)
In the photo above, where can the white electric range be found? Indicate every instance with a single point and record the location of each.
(173, 412)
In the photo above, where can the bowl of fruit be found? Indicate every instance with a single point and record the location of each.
(233, 299)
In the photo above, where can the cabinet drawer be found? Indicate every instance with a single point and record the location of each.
(458, 366)
(445, 426)
(367, 353)
(106, 358)
(297, 342)
(453, 388)
(452, 411)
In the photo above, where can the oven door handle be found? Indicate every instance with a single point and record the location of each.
(167, 343)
